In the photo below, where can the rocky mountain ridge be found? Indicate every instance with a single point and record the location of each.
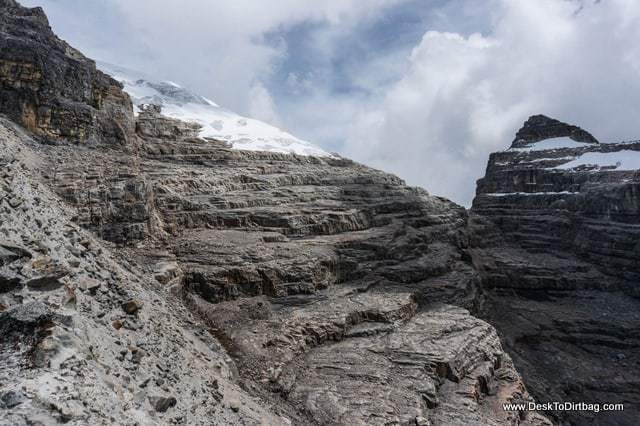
(540, 127)
(554, 231)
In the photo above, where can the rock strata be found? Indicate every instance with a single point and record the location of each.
(306, 268)
(554, 235)
(152, 124)
(53, 90)
(62, 360)
(151, 277)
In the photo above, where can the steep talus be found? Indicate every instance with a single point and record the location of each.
(554, 231)
(87, 336)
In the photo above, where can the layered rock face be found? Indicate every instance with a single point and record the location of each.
(175, 281)
(554, 229)
(52, 89)
(87, 337)
(342, 295)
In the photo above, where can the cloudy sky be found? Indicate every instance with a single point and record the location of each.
(425, 89)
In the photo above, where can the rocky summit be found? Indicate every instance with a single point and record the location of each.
(152, 276)
(540, 127)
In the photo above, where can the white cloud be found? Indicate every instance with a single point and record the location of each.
(464, 97)
(261, 105)
(216, 47)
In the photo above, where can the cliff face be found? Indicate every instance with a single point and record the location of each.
(554, 230)
(52, 89)
(186, 283)
(342, 295)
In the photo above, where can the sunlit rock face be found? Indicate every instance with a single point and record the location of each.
(554, 230)
(52, 89)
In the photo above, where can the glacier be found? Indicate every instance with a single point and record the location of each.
(217, 122)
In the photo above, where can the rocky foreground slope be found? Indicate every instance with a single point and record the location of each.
(555, 235)
(151, 277)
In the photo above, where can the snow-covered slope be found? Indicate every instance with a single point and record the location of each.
(617, 160)
(217, 122)
(550, 143)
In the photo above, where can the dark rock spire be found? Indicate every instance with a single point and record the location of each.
(540, 127)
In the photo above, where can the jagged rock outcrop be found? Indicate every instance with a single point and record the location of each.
(182, 282)
(579, 199)
(51, 88)
(554, 232)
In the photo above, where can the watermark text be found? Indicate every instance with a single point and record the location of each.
(562, 406)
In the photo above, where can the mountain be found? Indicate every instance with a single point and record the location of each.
(215, 122)
(554, 231)
(152, 273)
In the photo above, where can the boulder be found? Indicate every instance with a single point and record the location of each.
(162, 403)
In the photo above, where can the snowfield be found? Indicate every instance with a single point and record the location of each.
(218, 123)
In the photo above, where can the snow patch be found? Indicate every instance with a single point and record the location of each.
(620, 160)
(539, 160)
(507, 194)
(552, 143)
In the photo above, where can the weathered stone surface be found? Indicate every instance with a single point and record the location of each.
(286, 257)
(311, 290)
(25, 319)
(558, 254)
(132, 306)
(150, 123)
(162, 403)
(166, 272)
(590, 213)
(66, 361)
(51, 88)
(10, 399)
(90, 285)
(10, 253)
